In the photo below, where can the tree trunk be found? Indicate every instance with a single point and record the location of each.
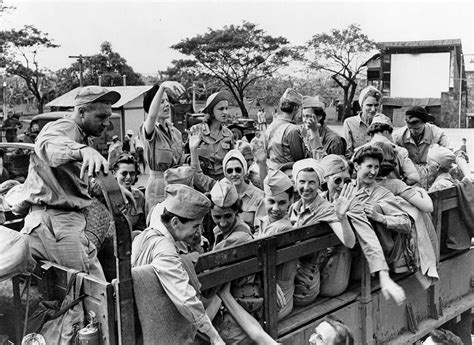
(40, 106)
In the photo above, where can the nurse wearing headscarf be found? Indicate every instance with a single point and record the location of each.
(355, 127)
(440, 160)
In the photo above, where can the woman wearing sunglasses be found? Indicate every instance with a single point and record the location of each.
(126, 172)
(339, 184)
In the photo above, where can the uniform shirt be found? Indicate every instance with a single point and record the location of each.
(163, 148)
(214, 147)
(318, 211)
(156, 246)
(239, 234)
(285, 143)
(253, 207)
(355, 133)
(53, 175)
(418, 153)
(331, 141)
(136, 216)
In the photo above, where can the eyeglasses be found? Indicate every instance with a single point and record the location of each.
(231, 170)
(338, 180)
(125, 173)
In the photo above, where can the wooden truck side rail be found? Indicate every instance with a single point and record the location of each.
(361, 306)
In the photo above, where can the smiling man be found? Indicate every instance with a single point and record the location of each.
(184, 210)
(57, 191)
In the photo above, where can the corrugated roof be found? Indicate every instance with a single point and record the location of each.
(411, 102)
(127, 94)
(422, 44)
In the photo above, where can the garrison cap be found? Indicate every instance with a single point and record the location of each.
(180, 175)
(333, 164)
(224, 194)
(276, 182)
(312, 102)
(382, 119)
(292, 96)
(441, 155)
(186, 202)
(94, 93)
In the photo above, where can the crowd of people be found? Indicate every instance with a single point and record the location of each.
(370, 186)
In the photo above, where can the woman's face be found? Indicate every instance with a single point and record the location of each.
(165, 107)
(234, 172)
(224, 218)
(370, 108)
(307, 184)
(126, 174)
(337, 181)
(220, 111)
(277, 206)
(367, 171)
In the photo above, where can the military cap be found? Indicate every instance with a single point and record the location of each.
(94, 93)
(312, 102)
(186, 202)
(382, 119)
(333, 164)
(180, 175)
(441, 155)
(276, 182)
(224, 194)
(292, 96)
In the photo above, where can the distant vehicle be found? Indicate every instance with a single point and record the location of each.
(101, 143)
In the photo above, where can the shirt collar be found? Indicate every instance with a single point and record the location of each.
(310, 208)
(161, 228)
(427, 136)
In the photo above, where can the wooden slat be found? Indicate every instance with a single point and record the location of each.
(268, 257)
(224, 274)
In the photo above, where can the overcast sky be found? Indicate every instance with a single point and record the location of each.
(142, 32)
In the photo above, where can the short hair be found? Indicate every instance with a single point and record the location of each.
(443, 336)
(368, 152)
(148, 97)
(343, 333)
(379, 128)
(167, 216)
(91, 106)
(288, 107)
(389, 162)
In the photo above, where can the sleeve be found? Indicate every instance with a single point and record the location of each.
(175, 281)
(336, 146)
(395, 219)
(408, 168)
(348, 136)
(297, 147)
(202, 182)
(443, 139)
(56, 145)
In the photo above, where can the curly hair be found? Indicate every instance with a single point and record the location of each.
(389, 162)
(126, 158)
(368, 152)
(379, 128)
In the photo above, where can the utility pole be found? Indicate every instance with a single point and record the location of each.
(80, 58)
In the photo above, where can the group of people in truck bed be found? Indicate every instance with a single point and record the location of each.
(370, 186)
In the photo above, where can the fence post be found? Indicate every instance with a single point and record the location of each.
(268, 259)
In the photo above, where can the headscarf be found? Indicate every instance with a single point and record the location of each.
(369, 91)
(236, 155)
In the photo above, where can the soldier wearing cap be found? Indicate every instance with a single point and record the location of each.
(418, 135)
(162, 141)
(278, 198)
(355, 127)
(215, 139)
(319, 138)
(380, 130)
(283, 136)
(184, 210)
(57, 186)
(115, 150)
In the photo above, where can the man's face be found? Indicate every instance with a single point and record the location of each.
(96, 119)
(414, 124)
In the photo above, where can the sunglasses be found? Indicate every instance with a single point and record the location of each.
(237, 170)
(125, 173)
(340, 179)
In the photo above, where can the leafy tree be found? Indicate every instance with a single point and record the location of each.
(20, 50)
(237, 56)
(343, 53)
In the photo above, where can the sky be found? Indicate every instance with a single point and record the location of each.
(143, 31)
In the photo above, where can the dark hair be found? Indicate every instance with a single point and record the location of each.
(237, 206)
(443, 336)
(379, 128)
(318, 111)
(389, 162)
(167, 216)
(368, 152)
(291, 192)
(148, 97)
(2, 153)
(288, 107)
(126, 158)
(343, 333)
